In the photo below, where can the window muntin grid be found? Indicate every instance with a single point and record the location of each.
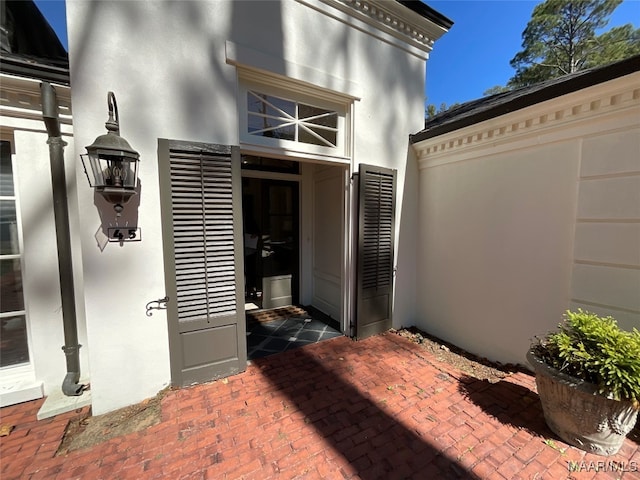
(275, 117)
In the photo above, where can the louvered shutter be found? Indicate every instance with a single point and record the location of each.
(202, 228)
(376, 233)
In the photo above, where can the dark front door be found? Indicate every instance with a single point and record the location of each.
(270, 212)
(376, 233)
(202, 234)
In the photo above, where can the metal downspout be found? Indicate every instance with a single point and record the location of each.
(71, 348)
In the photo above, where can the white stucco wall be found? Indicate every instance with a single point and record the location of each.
(529, 214)
(606, 258)
(22, 124)
(168, 64)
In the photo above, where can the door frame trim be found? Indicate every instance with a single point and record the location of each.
(349, 228)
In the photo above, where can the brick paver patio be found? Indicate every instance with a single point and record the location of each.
(380, 408)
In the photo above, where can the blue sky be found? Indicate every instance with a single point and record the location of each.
(474, 55)
(469, 59)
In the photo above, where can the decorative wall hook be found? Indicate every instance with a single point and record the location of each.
(161, 305)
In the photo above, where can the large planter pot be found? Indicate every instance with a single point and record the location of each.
(579, 415)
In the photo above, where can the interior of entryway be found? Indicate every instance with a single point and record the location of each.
(294, 245)
(270, 220)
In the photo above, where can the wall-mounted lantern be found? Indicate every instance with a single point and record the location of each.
(112, 161)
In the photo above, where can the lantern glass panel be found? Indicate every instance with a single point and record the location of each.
(110, 170)
(96, 179)
(131, 169)
(118, 171)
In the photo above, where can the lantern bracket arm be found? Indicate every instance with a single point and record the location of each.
(113, 125)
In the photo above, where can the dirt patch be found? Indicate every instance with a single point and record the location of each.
(87, 431)
(480, 368)
(472, 365)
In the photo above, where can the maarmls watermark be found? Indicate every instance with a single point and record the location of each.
(603, 466)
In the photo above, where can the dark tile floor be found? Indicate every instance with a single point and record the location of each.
(299, 329)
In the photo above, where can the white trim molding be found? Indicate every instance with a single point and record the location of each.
(253, 80)
(20, 98)
(550, 121)
(398, 21)
(388, 21)
(271, 69)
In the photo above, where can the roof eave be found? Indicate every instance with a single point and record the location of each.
(427, 12)
(22, 67)
(417, 27)
(549, 92)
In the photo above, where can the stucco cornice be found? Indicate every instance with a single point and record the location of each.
(390, 18)
(553, 120)
(399, 20)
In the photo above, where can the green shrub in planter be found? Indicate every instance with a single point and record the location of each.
(596, 350)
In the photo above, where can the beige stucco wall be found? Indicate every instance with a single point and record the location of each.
(526, 215)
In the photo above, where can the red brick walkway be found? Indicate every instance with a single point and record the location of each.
(381, 408)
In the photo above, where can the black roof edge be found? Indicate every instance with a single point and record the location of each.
(427, 12)
(556, 88)
(21, 67)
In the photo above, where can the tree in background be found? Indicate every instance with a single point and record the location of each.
(495, 90)
(560, 39)
(431, 110)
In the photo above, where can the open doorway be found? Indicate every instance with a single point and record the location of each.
(271, 242)
(293, 231)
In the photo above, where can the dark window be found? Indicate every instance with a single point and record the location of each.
(14, 347)
(250, 162)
